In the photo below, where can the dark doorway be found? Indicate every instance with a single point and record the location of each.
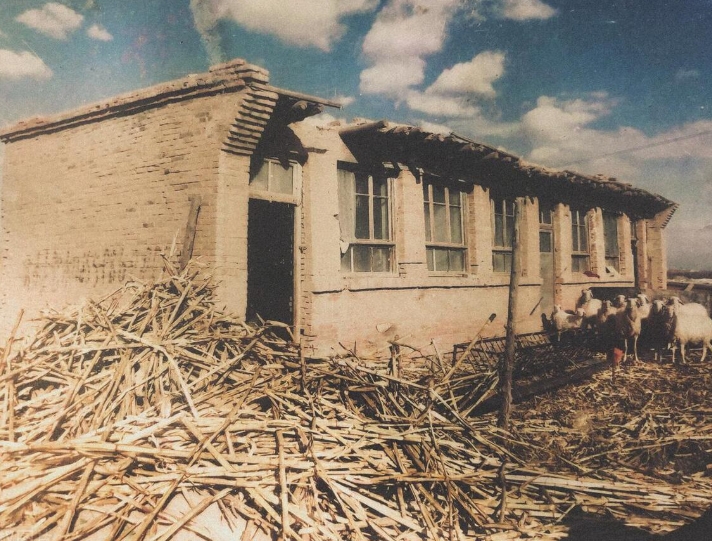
(270, 261)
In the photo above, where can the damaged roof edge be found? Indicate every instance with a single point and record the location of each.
(231, 76)
(409, 142)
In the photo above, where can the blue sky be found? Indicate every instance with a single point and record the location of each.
(622, 87)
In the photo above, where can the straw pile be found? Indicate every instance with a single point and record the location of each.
(152, 415)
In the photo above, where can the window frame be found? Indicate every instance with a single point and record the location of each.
(348, 258)
(272, 195)
(580, 231)
(502, 250)
(545, 227)
(450, 247)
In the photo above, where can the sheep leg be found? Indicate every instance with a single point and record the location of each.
(682, 352)
(705, 345)
(635, 348)
(625, 351)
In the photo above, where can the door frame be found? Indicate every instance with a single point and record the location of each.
(295, 199)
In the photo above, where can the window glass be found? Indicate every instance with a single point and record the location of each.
(443, 218)
(545, 214)
(545, 241)
(362, 216)
(380, 218)
(438, 194)
(282, 179)
(426, 215)
(362, 183)
(364, 219)
(456, 225)
(261, 180)
(457, 260)
(440, 229)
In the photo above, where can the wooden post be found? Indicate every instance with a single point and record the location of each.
(507, 364)
(189, 237)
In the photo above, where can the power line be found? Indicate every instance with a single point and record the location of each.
(641, 147)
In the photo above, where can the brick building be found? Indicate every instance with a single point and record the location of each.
(352, 233)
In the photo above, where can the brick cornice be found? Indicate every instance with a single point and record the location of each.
(229, 77)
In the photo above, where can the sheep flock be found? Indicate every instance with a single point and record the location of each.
(619, 324)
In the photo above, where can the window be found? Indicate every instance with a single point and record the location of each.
(546, 229)
(579, 241)
(610, 236)
(503, 229)
(444, 236)
(272, 177)
(365, 222)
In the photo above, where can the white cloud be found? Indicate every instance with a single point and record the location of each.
(559, 134)
(305, 23)
(475, 76)
(524, 10)
(393, 77)
(15, 66)
(345, 101)
(435, 128)
(684, 74)
(53, 19)
(441, 106)
(404, 32)
(98, 32)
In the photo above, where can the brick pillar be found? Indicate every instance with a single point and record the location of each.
(231, 231)
(643, 270)
(529, 238)
(657, 254)
(562, 249)
(596, 241)
(409, 225)
(624, 247)
(479, 231)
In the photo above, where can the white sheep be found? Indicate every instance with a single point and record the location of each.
(628, 325)
(590, 308)
(690, 328)
(659, 328)
(619, 301)
(565, 321)
(605, 314)
(644, 306)
(689, 308)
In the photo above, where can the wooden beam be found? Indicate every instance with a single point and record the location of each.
(190, 228)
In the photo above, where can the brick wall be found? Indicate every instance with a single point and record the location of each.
(87, 208)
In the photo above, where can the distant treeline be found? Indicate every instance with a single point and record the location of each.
(691, 274)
